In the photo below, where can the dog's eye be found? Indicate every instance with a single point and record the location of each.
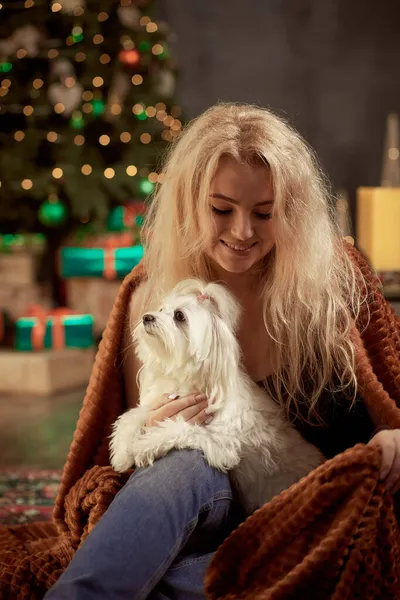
(179, 316)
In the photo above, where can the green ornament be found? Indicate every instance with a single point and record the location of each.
(145, 186)
(52, 213)
(77, 121)
(144, 46)
(5, 67)
(97, 107)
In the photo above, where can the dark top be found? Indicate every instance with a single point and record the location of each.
(343, 426)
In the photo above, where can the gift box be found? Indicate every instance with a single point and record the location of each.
(57, 329)
(15, 299)
(18, 268)
(22, 242)
(110, 263)
(94, 296)
(126, 216)
(378, 226)
(46, 372)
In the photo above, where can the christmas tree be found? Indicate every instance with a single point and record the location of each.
(86, 109)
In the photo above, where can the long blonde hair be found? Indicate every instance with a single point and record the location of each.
(310, 286)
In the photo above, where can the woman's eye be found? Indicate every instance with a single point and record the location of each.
(179, 316)
(263, 217)
(219, 211)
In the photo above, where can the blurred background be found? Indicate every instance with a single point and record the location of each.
(91, 93)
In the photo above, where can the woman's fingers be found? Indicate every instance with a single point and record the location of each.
(189, 406)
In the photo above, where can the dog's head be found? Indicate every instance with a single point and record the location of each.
(193, 331)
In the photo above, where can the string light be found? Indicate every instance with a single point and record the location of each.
(53, 53)
(29, 3)
(3, 91)
(161, 115)
(145, 21)
(80, 56)
(28, 110)
(137, 109)
(98, 39)
(6, 83)
(393, 153)
(103, 16)
(19, 136)
(145, 138)
(131, 170)
(125, 137)
(104, 140)
(129, 57)
(126, 42)
(52, 136)
(105, 59)
(21, 53)
(86, 169)
(87, 96)
(151, 111)
(115, 109)
(153, 177)
(79, 140)
(98, 81)
(57, 173)
(137, 79)
(176, 125)
(59, 108)
(161, 106)
(70, 82)
(151, 27)
(168, 121)
(37, 83)
(166, 135)
(109, 173)
(56, 7)
(157, 49)
(78, 11)
(87, 108)
(26, 184)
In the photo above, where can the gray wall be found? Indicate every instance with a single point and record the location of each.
(332, 67)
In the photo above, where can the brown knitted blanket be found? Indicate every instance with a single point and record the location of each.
(332, 535)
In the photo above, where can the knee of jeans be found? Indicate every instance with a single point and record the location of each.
(188, 472)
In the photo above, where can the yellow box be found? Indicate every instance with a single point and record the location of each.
(378, 226)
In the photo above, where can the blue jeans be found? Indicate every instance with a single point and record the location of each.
(157, 537)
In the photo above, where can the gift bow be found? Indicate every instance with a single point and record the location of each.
(41, 315)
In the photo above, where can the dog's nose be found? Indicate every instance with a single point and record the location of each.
(148, 318)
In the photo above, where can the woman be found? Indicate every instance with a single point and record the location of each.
(243, 202)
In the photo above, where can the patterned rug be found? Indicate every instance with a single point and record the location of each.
(27, 495)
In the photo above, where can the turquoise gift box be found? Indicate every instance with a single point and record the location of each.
(110, 263)
(54, 332)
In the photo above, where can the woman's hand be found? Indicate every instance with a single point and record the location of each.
(192, 408)
(389, 441)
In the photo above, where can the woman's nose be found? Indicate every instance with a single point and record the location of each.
(242, 228)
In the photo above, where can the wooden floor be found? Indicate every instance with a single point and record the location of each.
(37, 431)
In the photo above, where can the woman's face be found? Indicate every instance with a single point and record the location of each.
(241, 200)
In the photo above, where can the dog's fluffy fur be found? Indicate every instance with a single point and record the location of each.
(191, 346)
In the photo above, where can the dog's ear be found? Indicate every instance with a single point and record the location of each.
(226, 305)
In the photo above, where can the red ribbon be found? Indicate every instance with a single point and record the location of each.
(131, 211)
(39, 328)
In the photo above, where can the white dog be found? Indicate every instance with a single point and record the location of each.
(190, 345)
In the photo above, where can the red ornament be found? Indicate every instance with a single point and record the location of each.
(129, 57)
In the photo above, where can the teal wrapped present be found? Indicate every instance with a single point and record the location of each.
(53, 330)
(110, 263)
(125, 216)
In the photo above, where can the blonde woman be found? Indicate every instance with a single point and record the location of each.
(242, 201)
